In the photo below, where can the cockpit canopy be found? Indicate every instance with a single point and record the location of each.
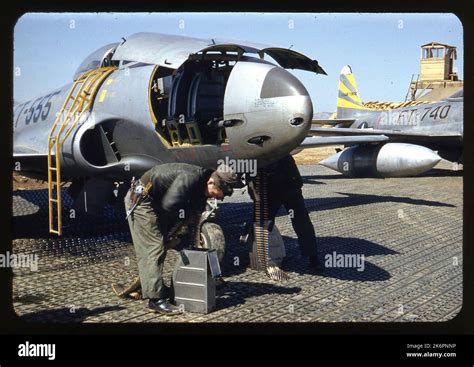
(99, 58)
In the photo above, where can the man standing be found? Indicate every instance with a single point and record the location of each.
(284, 185)
(165, 198)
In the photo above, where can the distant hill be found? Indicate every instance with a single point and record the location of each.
(322, 115)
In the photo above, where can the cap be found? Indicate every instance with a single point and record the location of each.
(226, 179)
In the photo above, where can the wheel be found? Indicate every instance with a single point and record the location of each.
(212, 238)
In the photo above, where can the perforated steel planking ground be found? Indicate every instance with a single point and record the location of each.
(408, 230)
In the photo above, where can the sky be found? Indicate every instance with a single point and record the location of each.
(382, 49)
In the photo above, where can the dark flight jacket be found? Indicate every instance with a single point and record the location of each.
(178, 189)
(284, 175)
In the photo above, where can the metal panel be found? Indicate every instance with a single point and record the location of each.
(172, 51)
(193, 285)
(161, 49)
(214, 266)
(289, 59)
(231, 48)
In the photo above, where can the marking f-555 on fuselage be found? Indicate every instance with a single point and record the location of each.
(166, 98)
(35, 110)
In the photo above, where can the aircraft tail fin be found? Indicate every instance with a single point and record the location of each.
(348, 100)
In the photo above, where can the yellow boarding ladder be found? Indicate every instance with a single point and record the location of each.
(78, 101)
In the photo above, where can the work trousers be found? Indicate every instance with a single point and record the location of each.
(293, 201)
(149, 247)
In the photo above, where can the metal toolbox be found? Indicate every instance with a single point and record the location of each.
(193, 282)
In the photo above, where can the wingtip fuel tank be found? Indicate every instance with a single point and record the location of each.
(387, 160)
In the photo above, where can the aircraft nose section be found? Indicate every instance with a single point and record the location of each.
(278, 111)
(293, 109)
(280, 83)
(293, 98)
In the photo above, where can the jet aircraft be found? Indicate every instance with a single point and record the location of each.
(413, 135)
(157, 98)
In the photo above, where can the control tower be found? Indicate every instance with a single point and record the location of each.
(437, 78)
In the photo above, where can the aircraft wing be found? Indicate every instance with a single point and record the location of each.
(334, 122)
(20, 151)
(29, 161)
(411, 135)
(312, 142)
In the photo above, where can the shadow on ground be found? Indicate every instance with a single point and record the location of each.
(237, 293)
(350, 248)
(343, 258)
(65, 314)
